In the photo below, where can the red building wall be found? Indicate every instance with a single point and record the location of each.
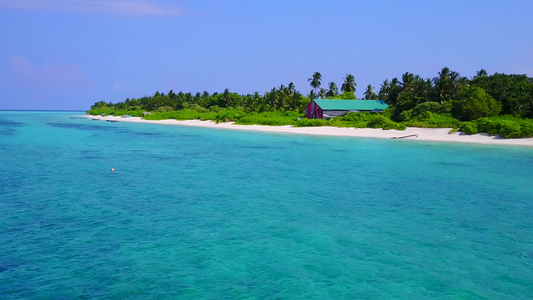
(313, 111)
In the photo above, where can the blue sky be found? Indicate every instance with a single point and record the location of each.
(69, 54)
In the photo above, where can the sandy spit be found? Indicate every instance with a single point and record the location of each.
(411, 133)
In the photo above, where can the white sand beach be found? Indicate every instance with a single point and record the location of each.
(411, 133)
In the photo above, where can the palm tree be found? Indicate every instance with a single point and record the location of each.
(291, 89)
(395, 85)
(384, 90)
(349, 84)
(171, 94)
(461, 83)
(390, 91)
(256, 101)
(316, 80)
(422, 87)
(225, 99)
(333, 90)
(312, 95)
(446, 84)
(282, 97)
(481, 73)
(444, 73)
(369, 94)
(408, 81)
(272, 98)
(322, 93)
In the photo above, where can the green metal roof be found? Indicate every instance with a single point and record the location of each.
(333, 104)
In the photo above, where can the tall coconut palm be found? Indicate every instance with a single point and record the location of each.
(454, 77)
(422, 87)
(444, 73)
(369, 93)
(481, 73)
(408, 81)
(446, 84)
(390, 91)
(333, 90)
(256, 101)
(273, 99)
(291, 89)
(349, 84)
(441, 84)
(322, 93)
(225, 99)
(459, 84)
(395, 85)
(316, 80)
(282, 97)
(312, 95)
(384, 90)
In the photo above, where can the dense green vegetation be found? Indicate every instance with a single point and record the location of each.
(496, 104)
(505, 126)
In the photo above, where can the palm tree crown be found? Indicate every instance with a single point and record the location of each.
(291, 89)
(349, 84)
(369, 93)
(312, 95)
(322, 93)
(408, 81)
(333, 90)
(481, 73)
(316, 80)
(446, 84)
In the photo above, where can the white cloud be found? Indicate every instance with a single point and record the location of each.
(108, 7)
(48, 75)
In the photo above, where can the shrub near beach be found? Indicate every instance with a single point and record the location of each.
(276, 118)
(504, 126)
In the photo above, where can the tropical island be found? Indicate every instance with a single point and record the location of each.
(497, 104)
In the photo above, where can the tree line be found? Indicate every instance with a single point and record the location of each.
(497, 94)
(446, 100)
(483, 95)
(281, 98)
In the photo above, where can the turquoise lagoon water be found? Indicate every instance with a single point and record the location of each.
(219, 214)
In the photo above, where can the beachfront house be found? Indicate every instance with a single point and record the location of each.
(326, 108)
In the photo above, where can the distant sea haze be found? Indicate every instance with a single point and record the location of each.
(202, 213)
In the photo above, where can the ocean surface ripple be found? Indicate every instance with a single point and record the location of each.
(216, 214)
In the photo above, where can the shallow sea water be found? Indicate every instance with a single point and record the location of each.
(219, 214)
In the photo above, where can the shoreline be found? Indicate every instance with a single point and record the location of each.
(411, 133)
